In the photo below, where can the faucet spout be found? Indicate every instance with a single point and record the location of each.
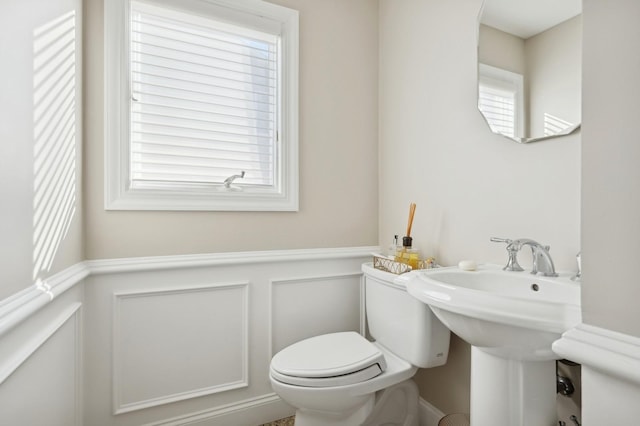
(542, 262)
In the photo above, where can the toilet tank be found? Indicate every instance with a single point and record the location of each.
(402, 323)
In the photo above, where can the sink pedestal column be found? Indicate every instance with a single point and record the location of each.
(511, 392)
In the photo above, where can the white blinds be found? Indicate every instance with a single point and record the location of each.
(204, 100)
(499, 108)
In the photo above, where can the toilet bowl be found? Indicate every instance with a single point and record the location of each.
(343, 379)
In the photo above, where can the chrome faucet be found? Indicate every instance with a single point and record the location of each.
(542, 262)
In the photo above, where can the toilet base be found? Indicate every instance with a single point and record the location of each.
(306, 417)
(396, 405)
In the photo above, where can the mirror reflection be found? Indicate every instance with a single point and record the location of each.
(529, 71)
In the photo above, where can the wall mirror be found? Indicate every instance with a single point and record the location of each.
(529, 71)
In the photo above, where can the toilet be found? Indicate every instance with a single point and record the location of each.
(343, 379)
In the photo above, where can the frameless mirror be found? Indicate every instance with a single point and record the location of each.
(529, 71)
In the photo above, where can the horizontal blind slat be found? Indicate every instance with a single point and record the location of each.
(205, 144)
(200, 123)
(177, 43)
(218, 99)
(193, 133)
(202, 107)
(196, 29)
(195, 101)
(223, 74)
(256, 98)
(155, 110)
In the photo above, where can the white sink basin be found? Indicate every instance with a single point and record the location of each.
(515, 315)
(510, 319)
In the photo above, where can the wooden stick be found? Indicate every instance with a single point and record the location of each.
(412, 212)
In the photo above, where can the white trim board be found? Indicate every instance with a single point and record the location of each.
(25, 303)
(131, 264)
(21, 305)
(429, 414)
(615, 354)
(36, 341)
(271, 403)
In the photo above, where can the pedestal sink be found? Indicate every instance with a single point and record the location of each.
(510, 319)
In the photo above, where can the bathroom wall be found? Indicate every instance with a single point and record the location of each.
(338, 151)
(41, 109)
(608, 343)
(502, 50)
(468, 184)
(611, 175)
(554, 65)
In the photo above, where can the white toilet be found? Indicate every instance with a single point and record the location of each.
(344, 379)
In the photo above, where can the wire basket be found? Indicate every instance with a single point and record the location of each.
(390, 265)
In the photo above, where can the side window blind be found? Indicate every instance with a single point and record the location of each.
(203, 101)
(498, 104)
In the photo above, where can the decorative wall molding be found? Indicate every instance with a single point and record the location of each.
(615, 354)
(355, 276)
(245, 267)
(20, 306)
(134, 264)
(9, 366)
(119, 322)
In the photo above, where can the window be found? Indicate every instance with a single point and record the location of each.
(198, 93)
(500, 98)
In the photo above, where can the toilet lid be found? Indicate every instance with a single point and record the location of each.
(333, 359)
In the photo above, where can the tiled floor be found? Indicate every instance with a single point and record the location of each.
(282, 422)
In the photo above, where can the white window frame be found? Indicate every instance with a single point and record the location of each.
(119, 194)
(507, 80)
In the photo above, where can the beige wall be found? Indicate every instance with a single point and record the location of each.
(338, 151)
(610, 166)
(501, 50)
(469, 184)
(554, 61)
(40, 217)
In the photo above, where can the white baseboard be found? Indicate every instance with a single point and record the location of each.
(267, 408)
(254, 411)
(429, 415)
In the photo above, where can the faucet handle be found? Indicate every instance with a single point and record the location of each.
(512, 262)
(578, 274)
(501, 240)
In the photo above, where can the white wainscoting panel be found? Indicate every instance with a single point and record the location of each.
(175, 344)
(178, 340)
(41, 383)
(310, 306)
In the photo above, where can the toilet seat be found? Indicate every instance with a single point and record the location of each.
(336, 359)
